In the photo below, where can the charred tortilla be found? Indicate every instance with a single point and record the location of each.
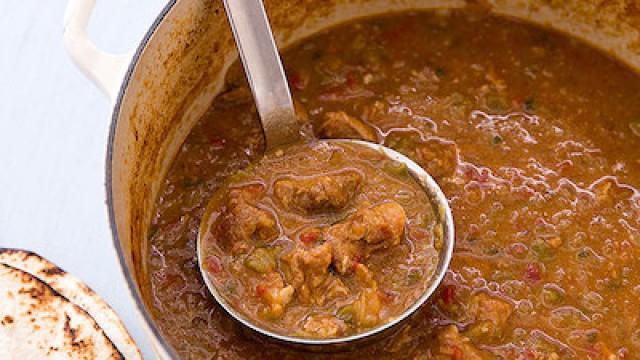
(38, 323)
(77, 293)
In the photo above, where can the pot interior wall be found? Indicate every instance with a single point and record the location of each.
(181, 68)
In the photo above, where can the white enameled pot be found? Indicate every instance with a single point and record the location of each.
(160, 90)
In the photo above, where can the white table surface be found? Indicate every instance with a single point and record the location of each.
(53, 131)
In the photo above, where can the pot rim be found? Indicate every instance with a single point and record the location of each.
(152, 329)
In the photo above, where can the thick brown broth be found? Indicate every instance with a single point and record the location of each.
(532, 136)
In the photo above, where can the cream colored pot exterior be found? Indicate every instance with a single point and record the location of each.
(160, 91)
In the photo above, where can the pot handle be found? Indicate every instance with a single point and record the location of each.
(104, 69)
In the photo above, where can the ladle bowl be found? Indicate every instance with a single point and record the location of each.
(444, 217)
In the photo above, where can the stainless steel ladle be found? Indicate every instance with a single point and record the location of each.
(272, 96)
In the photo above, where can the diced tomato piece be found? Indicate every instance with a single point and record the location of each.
(533, 272)
(297, 81)
(449, 294)
(261, 290)
(309, 237)
(351, 79)
(217, 142)
(255, 189)
(213, 264)
(529, 354)
(457, 353)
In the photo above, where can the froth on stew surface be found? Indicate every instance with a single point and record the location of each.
(532, 136)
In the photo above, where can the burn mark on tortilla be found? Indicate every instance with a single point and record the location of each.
(70, 332)
(54, 270)
(65, 286)
(36, 297)
(7, 320)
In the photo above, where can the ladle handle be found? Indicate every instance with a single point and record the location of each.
(264, 70)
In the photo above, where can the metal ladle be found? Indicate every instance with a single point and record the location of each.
(266, 77)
